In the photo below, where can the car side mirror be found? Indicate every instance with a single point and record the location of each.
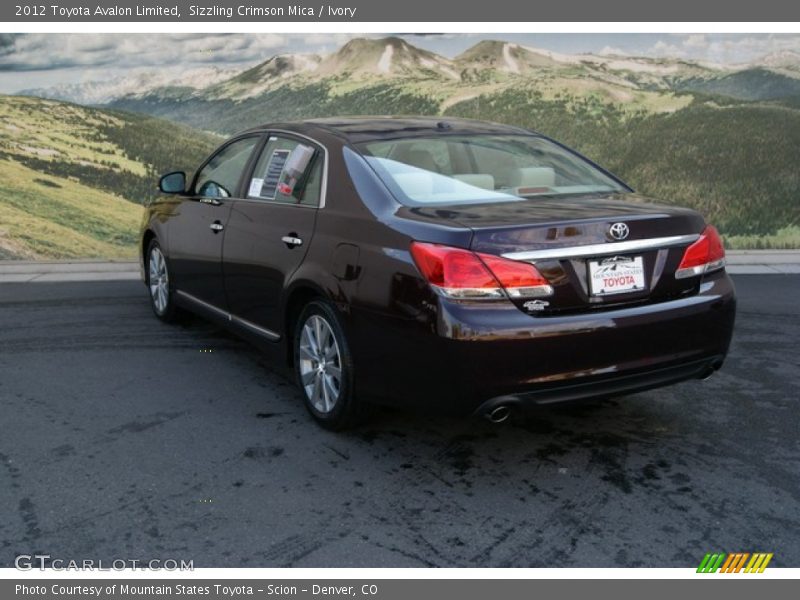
(173, 183)
(293, 169)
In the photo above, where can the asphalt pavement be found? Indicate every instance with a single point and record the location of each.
(124, 438)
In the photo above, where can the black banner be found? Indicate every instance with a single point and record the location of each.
(393, 11)
(393, 589)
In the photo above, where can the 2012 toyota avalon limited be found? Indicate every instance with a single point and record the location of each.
(455, 264)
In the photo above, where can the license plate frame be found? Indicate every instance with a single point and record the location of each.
(611, 275)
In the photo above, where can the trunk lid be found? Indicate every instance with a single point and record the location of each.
(571, 243)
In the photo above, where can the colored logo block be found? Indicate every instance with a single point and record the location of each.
(736, 562)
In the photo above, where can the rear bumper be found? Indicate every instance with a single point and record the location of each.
(472, 357)
(603, 386)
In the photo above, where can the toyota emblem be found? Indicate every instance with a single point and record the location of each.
(618, 231)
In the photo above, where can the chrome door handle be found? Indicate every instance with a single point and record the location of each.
(216, 227)
(291, 240)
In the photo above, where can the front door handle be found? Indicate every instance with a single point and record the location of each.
(216, 227)
(292, 240)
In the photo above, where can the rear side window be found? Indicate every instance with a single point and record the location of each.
(263, 184)
(220, 177)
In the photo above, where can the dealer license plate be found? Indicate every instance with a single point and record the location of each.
(616, 274)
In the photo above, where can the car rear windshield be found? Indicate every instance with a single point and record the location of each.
(462, 169)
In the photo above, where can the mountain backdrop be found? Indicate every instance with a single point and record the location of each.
(723, 139)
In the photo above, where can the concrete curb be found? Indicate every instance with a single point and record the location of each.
(52, 271)
(763, 269)
(763, 262)
(740, 262)
(763, 256)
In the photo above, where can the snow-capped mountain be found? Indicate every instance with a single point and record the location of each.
(267, 75)
(385, 57)
(362, 61)
(504, 56)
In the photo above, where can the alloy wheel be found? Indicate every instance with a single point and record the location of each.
(320, 364)
(159, 280)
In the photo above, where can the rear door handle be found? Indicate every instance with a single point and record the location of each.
(292, 240)
(216, 227)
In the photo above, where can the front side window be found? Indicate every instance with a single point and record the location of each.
(269, 172)
(220, 176)
(482, 168)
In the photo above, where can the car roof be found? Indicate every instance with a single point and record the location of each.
(361, 129)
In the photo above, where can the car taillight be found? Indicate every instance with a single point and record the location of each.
(519, 279)
(703, 256)
(459, 273)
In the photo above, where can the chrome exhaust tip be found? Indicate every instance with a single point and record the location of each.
(499, 414)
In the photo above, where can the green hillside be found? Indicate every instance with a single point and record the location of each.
(72, 179)
(314, 99)
(751, 84)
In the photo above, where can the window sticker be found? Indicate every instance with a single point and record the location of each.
(255, 186)
(269, 186)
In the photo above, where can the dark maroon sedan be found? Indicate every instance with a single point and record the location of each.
(453, 264)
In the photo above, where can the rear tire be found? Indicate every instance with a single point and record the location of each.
(323, 367)
(159, 285)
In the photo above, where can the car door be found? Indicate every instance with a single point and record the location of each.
(197, 233)
(268, 232)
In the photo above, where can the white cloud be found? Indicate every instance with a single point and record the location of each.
(331, 39)
(724, 48)
(662, 48)
(611, 51)
(696, 40)
(34, 51)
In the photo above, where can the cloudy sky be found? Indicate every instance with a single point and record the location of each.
(43, 60)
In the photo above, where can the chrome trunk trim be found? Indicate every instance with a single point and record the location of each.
(603, 249)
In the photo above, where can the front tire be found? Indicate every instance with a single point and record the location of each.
(158, 282)
(324, 367)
